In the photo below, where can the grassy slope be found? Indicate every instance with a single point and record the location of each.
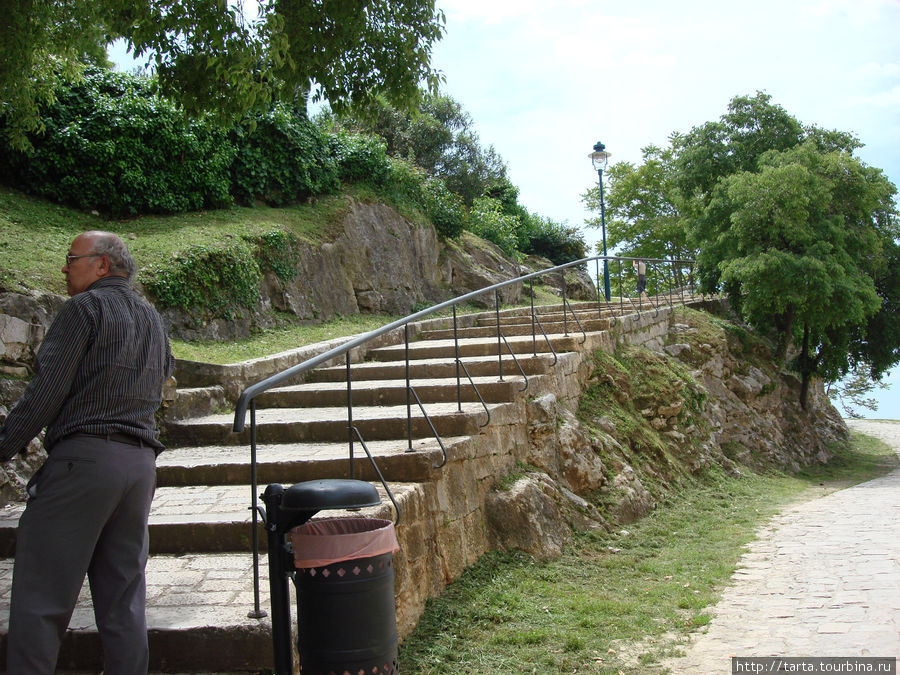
(35, 234)
(617, 602)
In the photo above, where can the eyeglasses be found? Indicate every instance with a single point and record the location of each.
(70, 258)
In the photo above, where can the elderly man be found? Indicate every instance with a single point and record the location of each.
(98, 383)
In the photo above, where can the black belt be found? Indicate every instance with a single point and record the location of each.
(118, 438)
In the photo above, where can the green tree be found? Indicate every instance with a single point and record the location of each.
(210, 57)
(438, 136)
(853, 392)
(752, 126)
(644, 207)
(799, 234)
(798, 244)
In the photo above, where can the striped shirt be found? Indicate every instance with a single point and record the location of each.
(100, 369)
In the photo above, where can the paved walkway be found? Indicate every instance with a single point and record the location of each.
(822, 579)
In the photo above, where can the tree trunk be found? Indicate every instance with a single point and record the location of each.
(785, 324)
(805, 370)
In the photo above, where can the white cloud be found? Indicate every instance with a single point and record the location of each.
(879, 70)
(888, 98)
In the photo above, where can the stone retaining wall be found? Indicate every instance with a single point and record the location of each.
(444, 526)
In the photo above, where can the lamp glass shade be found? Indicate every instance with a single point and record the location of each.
(600, 159)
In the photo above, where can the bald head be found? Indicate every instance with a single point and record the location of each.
(94, 255)
(121, 264)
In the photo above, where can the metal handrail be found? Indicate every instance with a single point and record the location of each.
(535, 319)
(247, 398)
(460, 364)
(254, 390)
(516, 361)
(434, 432)
(566, 306)
(390, 494)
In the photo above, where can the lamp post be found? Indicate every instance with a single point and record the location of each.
(600, 159)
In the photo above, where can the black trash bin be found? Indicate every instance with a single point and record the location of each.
(344, 576)
(345, 596)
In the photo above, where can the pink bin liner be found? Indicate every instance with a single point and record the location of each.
(330, 540)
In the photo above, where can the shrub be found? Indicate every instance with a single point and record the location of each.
(487, 220)
(551, 240)
(214, 279)
(360, 158)
(277, 252)
(405, 183)
(112, 144)
(445, 209)
(281, 157)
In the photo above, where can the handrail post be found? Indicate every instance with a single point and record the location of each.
(621, 292)
(499, 347)
(456, 353)
(408, 401)
(562, 274)
(672, 285)
(350, 416)
(256, 613)
(533, 327)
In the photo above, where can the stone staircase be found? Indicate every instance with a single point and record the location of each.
(200, 576)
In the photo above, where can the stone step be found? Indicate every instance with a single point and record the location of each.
(196, 401)
(436, 368)
(289, 425)
(290, 463)
(197, 608)
(523, 327)
(183, 519)
(557, 318)
(475, 347)
(389, 392)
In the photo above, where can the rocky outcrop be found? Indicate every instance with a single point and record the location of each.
(379, 263)
(14, 474)
(707, 393)
(527, 516)
(752, 404)
(24, 320)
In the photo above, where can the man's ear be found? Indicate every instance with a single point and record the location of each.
(103, 267)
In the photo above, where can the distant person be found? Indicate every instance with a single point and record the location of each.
(97, 386)
(641, 267)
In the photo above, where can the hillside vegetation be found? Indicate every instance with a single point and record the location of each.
(208, 211)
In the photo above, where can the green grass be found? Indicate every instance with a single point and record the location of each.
(616, 602)
(275, 340)
(35, 234)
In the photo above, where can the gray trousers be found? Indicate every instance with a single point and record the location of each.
(88, 516)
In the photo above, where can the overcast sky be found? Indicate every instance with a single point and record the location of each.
(545, 79)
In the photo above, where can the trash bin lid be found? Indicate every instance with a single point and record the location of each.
(329, 493)
(330, 540)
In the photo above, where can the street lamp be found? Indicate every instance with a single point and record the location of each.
(600, 158)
